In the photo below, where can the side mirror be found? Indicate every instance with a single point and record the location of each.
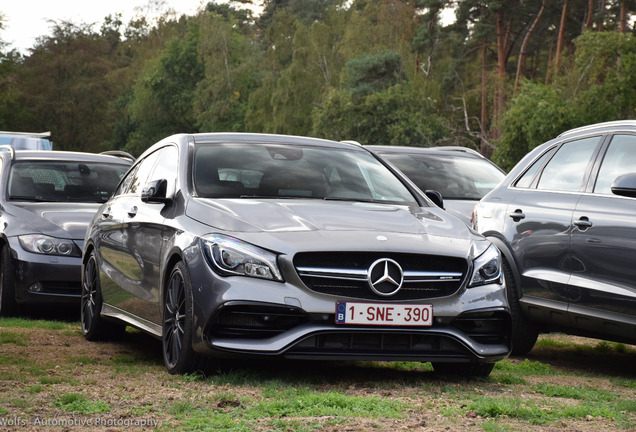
(155, 192)
(436, 197)
(625, 185)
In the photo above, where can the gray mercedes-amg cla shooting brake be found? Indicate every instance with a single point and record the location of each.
(250, 245)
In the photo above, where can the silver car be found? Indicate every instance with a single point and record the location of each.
(252, 245)
(460, 174)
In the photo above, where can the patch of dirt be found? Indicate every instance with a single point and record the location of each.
(130, 377)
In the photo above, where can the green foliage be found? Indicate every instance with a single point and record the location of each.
(231, 74)
(29, 323)
(601, 86)
(12, 338)
(162, 101)
(396, 116)
(580, 393)
(379, 71)
(538, 114)
(76, 403)
(524, 368)
(373, 73)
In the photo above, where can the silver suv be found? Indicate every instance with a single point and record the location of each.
(27, 140)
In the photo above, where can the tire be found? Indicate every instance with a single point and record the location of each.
(178, 355)
(94, 326)
(470, 370)
(8, 305)
(524, 333)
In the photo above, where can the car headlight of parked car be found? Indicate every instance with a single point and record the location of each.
(43, 244)
(230, 256)
(486, 268)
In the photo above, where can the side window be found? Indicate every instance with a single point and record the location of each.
(525, 181)
(166, 168)
(619, 159)
(136, 178)
(124, 186)
(566, 170)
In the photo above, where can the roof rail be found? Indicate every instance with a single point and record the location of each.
(616, 123)
(351, 142)
(9, 148)
(459, 149)
(27, 134)
(119, 153)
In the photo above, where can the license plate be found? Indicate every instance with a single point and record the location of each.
(384, 314)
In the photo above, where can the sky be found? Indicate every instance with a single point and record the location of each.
(25, 20)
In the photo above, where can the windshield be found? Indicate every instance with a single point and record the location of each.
(64, 180)
(455, 177)
(277, 171)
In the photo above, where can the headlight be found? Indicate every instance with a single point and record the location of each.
(42, 244)
(486, 268)
(230, 256)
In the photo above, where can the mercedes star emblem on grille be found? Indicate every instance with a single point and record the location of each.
(385, 277)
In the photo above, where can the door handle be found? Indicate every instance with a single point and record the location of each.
(132, 212)
(583, 223)
(517, 215)
(106, 213)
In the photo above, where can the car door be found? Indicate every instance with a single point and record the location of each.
(539, 224)
(603, 282)
(143, 236)
(124, 271)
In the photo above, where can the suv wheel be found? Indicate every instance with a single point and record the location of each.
(524, 333)
(8, 306)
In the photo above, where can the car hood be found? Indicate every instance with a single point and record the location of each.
(63, 220)
(326, 222)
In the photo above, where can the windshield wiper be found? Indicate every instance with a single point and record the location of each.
(280, 197)
(29, 198)
(364, 200)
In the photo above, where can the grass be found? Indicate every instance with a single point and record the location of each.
(36, 324)
(126, 381)
(77, 403)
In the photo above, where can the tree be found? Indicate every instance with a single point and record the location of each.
(372, 73)
(395, 116)
(163, 97)
(231, 63)
(63, 88)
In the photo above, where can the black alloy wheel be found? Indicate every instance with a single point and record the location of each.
(94, 326)
(177, 322)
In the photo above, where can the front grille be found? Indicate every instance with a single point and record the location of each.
(377, 343)
(485, 328)
(344, 274)
(255, 321)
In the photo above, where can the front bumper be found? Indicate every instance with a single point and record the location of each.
(260, 329)
(237, 316)
(45, 279)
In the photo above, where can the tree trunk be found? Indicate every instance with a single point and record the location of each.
(521, 64)
(501, 68)
(483, 148)
(557, 57)
(623, 18)
(590, 15)
(601, 24)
